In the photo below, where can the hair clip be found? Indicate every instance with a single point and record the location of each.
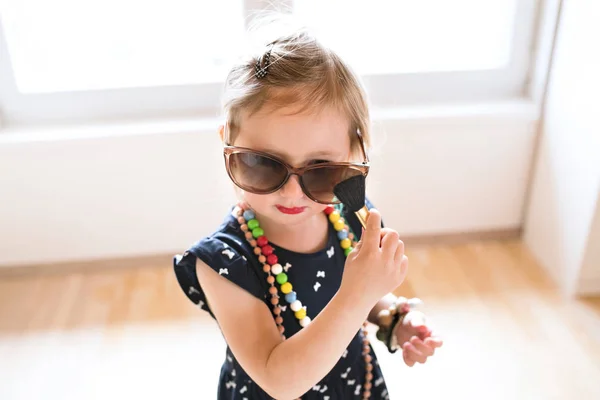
(262, 64)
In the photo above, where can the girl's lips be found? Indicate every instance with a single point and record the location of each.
(288, 210)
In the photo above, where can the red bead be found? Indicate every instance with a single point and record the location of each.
(329, 210)
(272, 259)
(267, 250)
(262, 241)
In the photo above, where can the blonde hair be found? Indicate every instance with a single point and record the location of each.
(300, 70)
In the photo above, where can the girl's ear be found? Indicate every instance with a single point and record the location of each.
(221, 132)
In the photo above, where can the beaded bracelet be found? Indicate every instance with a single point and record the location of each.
(388, 319)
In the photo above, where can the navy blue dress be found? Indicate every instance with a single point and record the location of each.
(316, 278)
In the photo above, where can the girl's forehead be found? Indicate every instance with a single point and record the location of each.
(297, 135)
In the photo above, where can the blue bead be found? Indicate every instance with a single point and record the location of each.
(248, 215)
(343, 234)
(290, 297)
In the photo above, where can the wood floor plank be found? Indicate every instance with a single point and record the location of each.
(99, 333)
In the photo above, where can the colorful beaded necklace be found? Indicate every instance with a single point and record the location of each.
(264, 251)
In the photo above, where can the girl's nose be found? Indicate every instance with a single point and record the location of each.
(292, 188)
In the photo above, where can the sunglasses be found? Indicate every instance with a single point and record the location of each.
(262, 173)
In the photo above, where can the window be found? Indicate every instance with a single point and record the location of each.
(112, 44)
(78, 60)
(408, 36)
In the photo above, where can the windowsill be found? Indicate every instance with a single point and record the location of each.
(518, 107)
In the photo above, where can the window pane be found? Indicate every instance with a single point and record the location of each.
(66, 45)
(404, 36)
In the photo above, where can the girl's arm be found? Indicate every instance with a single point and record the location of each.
(288, 369)
(284, 369)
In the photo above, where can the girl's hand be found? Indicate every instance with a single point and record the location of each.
(377, 265)
(416, 339)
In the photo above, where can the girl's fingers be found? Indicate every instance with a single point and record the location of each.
(415, 354)
(383, 232)
(358, 245)
(406, 356)
(371, 236)
(421, 347)
(433, 341)
(399, 255)
(389, 245)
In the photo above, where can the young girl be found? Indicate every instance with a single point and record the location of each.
(284, 275)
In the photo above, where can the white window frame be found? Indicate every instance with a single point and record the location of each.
(203, 100)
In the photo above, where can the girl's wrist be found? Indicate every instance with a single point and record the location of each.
(353, 302)
(388, 319)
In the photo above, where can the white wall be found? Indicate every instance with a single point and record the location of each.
(139, 189)
(564, 196)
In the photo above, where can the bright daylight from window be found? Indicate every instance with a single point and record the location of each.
(104, 44)
(408, 36)
(75, 45)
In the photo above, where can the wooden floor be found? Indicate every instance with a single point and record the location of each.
(130, 333)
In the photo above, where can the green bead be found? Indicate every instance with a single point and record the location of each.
(257, 232)
(281, 278)
(253, 224)
(348, 250)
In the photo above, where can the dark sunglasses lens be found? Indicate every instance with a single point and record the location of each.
(256, 173)
(319, 182)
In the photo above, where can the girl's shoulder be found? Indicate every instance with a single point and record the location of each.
(226, 252)
(227, 242)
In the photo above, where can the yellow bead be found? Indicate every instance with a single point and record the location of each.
(300, 314)
(334, 217)
(338, 225)
(345, 243)
(286, 288)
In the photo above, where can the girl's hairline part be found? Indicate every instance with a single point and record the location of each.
(273, 98)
